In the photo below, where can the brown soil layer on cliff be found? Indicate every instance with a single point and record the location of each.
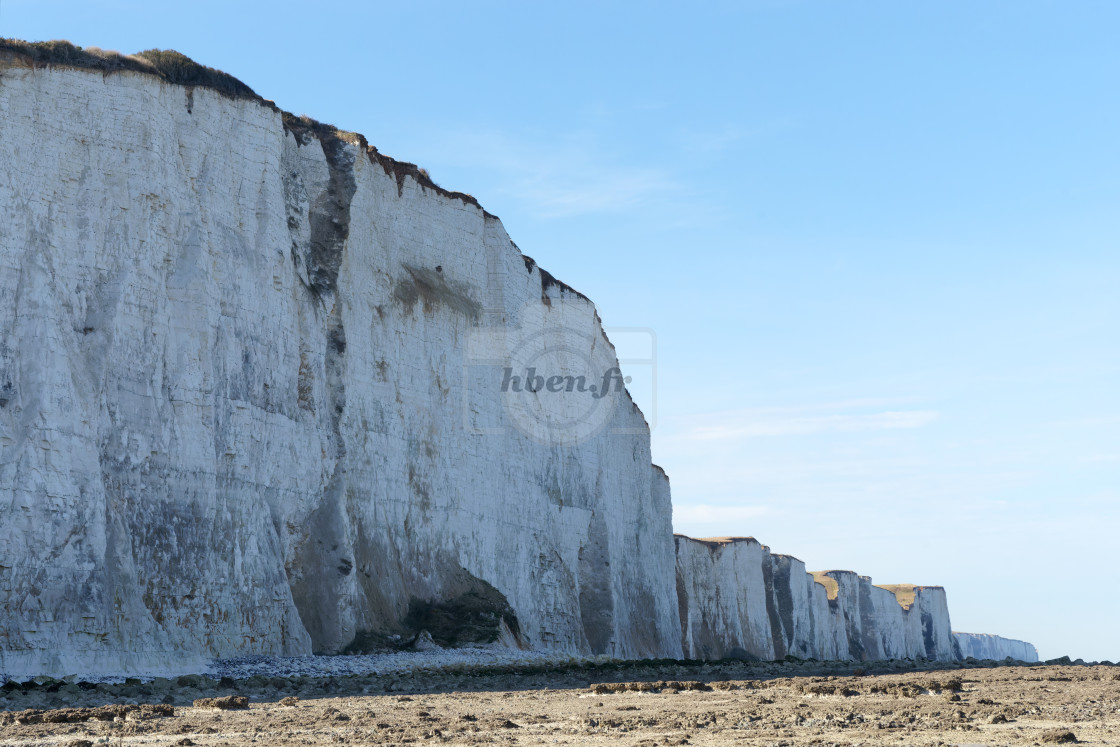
(634, 704)
(904, 593)
(828, 582)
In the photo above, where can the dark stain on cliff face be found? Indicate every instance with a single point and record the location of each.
(596, 602)
(856, 649)
(782, 598)
(320, 565)
(644, 608)
(380, 578)
(330, 217)
(315, 574)
(682, 606)
(335, 360)
(870, 643)
(421, 489)
(927, 635)
(433, 290)
(337, 340)
(777, 636)
(320, 576)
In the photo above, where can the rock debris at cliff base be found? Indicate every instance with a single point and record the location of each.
(717, 704)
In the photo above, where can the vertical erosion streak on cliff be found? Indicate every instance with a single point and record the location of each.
(777, 637)
(330, 216)
(324, 559)
(781, 607)
(682, 611)
(868, 630)
(927, 632)
(845, 605)
(596, 602)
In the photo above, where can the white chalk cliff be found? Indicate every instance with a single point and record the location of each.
(986, 646)
(240, 412)
(252, 401)
(738, 599)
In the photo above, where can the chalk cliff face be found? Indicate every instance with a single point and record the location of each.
(266, 391)
(736, 598)
(250, 399)
(809, 628)
(985, 646)
(723, 598)
(894, 622)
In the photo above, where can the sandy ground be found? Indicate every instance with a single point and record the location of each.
(622, 704)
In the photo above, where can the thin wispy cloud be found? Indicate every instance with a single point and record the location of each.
(805, 426)
(855, 403)
(804, 421)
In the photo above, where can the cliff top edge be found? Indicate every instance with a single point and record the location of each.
(719, 541)
(175, 68)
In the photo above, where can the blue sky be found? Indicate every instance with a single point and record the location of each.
(877, 243)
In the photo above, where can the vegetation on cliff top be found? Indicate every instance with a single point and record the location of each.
(828, 582)
(176, 68)
(167, 65)
(904, 593)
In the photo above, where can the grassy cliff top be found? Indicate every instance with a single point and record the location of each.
(904, 593)
(167, 65)
(828, 582)
(176, 68)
